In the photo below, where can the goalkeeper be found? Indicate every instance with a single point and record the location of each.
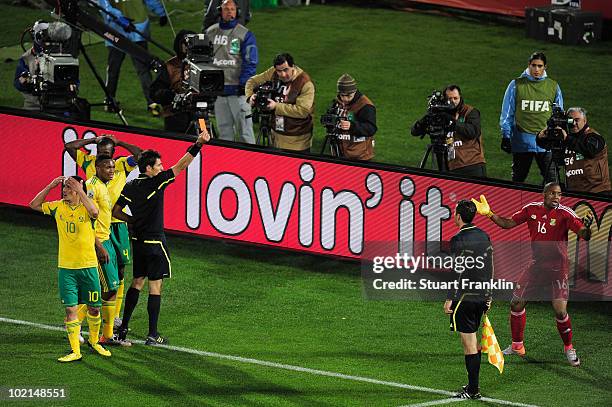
(549, 223)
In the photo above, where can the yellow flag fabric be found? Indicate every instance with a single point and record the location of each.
(491, 346)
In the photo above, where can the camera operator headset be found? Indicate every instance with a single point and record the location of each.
(468, 157)
(27, 65)
(213, 13)
(360, 126)
(585, 153)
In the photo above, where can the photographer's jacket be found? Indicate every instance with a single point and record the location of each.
(27, 64)
(362, 115)
(586, 162)
(526, 107)
(235, 52)
(467, 139)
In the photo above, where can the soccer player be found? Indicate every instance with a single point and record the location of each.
(78, 279)
(119, 236)
(466, 307)
(97, 190)
(548, 223)
(145, 198)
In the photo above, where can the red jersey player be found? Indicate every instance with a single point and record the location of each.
(549, 223)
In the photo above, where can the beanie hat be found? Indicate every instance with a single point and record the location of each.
(346, 84)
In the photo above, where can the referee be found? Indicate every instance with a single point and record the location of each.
(145, 198)
(467, 307)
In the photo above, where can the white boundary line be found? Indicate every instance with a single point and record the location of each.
(284, 366)
(436, 402)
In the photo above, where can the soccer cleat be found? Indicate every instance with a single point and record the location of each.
(99, 349)
(117, 323)
(71, 357)
(156, 340)
(465, 394)
(512, 351)
(572, 357)
(122, 334)
(114, 341)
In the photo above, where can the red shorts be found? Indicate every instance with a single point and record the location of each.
(541, 283)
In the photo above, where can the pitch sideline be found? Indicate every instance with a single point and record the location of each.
(282, 366)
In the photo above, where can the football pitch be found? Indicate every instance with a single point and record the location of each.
(250, 326)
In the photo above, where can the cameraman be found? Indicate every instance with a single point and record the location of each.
(361, 124)
(292, 118)
(467, 138)
(169, 84)
(235, 52)
(26, 66)
(586, 154)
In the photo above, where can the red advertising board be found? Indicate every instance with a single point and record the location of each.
(304, 203)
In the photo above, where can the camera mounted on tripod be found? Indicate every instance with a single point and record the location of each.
(332, 118)
(266, 91)
(439, 121)
(558, 120)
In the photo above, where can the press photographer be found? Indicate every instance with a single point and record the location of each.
(47, 75)
(350, 122)
(583, 152)
(291, 118)
(454, 129)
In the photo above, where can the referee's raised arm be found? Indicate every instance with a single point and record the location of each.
(192, 152)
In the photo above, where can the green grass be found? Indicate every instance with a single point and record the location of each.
(285, 308)
(397, 59)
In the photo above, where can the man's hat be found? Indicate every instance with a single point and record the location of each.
(346, 84)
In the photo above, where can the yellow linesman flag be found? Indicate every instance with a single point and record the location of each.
(491, 346)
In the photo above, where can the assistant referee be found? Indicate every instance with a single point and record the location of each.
(467, 307)
(145, 198)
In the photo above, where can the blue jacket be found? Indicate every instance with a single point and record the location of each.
(249, 54)
(521, 142)
(143, 26)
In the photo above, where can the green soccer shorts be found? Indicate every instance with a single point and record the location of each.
(108, 272)
(79, 286)
(121, 241)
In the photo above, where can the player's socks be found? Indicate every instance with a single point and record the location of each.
(517, 327)
(564, 326)
(153, 307)
(94, 328)
(131, 299)
(81, 312)
(108, 317)
(74, 330)
(119, 299)
(472, 365)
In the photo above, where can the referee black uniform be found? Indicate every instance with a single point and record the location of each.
(469, 305)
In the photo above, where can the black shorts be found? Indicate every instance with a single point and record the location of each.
(467, 314)
(151, 259)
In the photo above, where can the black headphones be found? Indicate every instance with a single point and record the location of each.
(221, 5)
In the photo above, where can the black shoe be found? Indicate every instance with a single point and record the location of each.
(122, 333)
(465, 394)
(156, 340)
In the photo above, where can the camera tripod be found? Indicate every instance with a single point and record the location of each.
(556, 163)
(334, 145)
(265, 128)
(439, 153)
(202, 111)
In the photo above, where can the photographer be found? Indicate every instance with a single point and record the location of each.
(359, 129)
(169, 83)
(526, 106)
(586, 154)
(235, 52)
(26, 66)
(292, 118)
(464, 130)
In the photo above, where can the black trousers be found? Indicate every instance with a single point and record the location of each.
(115, 59)
(475, 170)
(521, 163)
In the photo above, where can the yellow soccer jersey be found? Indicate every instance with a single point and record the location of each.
(76, 235)
(122, 169)
(97, 191)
